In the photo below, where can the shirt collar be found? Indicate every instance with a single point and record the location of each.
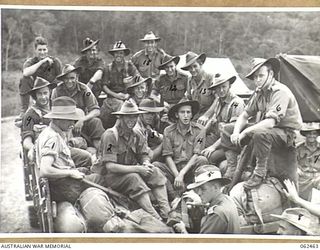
(217, 200)
(189, 129)
(228, 98)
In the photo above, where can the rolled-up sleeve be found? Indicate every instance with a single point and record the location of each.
(167, 149)
(90, 100)
(200, 142)
(50, 148)
(109, 147)
(278, 106)
(237, 108)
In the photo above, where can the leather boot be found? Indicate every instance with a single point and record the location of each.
(160, 194)
(258, 175)
(145, 203)
(232, 162)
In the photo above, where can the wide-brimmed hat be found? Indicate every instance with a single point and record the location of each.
(308, 127)
(40, 83)
(64, 107)
(222, 78)
(256, 63)
(150, 36)
(302, 219)
(183, 102)
(191, 57)
(150, 106)
(119, 46)
(129, 108)
(206, 173)
(68, 68)
(88, 44)
(133, 81)
(169, 59)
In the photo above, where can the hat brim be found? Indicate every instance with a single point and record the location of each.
(202, 58)
(172, 111)
(132, 113)
(175, 59)
(78, 114)
(61, 76)
(275, 66)
(152, 109)
(304, 132)
(150, 39)
(231, 81)
(223, 181)
(90, 46)
(126, 51)
(146, 80)
(50, 85)
(300, 226)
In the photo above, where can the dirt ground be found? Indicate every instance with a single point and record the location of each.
(14, 215)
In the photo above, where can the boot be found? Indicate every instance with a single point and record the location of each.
(258, 175)
(145, 203)
(232, 162)
(160, 194)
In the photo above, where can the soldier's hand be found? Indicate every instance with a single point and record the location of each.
(74, 173)
(203, 120)
(78, 126)
(145, 170)
(208, 151)
(48, 59)
(193, 199)
(180, 227)
(291, 192)
(123, 96)
(178, 182)
(234, 138)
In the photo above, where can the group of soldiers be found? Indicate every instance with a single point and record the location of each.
(146, 129)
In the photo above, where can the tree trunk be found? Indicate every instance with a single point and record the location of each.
(75, 32)
(7, 50)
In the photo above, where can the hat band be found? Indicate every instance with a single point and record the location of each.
(63, 109)
(207, 175)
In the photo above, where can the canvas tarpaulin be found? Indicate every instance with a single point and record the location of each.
(302, 75)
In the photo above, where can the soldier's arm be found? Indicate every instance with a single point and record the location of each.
(96, 76)
(47, 169)
(188, 166)
(172, 166)
(29, 70)
(114, 167)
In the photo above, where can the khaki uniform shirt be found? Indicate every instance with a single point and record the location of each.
(182, 147)
(88, 68)
(172, 90)
(309, 161)
(221, 217)
(199, 91)
(53, 141)
(276, 102)
(113, 76)
(82, 95)
(115, 147)
(148, 66)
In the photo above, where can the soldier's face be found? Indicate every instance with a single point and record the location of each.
(312, 136)
(118, 56)
(65, 125)
(184, 114)
(129, 121)
(41, 51)
(286, 228)
(43, 96)
(150, 46)
(223, 89)
(70, 80)
(170, 69)
(195, 69)
(140, 91)
(92, 53)
(148, 118)
(205, 192)
(262, 76)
